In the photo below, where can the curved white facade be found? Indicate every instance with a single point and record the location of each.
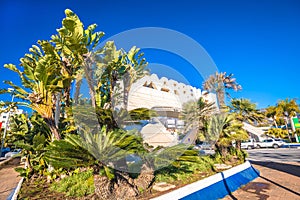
(150, 91)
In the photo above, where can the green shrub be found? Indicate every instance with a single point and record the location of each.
(185, 172)
(77, 185)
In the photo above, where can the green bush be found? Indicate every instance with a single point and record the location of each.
(185, 172)
(77, 185)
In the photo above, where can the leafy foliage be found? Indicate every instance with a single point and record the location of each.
(76, 185)
(32, 136)
(218, 82)
(142, 114)
(277, 133)
(196, 113)
(103, 149)
(224, 129)
(246, 111)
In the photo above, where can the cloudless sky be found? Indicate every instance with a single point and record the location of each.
(256, 40)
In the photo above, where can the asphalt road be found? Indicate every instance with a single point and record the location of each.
(274, 155)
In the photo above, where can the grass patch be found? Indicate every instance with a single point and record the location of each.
(187, 172)
(77, 185)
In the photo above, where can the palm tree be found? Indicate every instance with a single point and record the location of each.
(218, 83)
(277, 133)
(224, 129)
(246, 111)
(288, 107)
(272, 111)
(194, 113)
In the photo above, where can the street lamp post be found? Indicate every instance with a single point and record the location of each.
(7, 121)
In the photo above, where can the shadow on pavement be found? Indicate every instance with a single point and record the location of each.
(257, 188)
(294, 192)
(287, 168)
(284, 167)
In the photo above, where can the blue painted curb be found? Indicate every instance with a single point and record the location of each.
(291, 146)
(216, 186)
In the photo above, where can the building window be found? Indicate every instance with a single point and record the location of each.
(4, 117)
(150, 85)
(165, 89)
(175, 92)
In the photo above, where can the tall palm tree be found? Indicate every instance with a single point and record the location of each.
(218, 83)
(246, 111)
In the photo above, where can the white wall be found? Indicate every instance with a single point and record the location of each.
(179, 93)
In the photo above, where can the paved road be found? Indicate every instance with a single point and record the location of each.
(274, 155)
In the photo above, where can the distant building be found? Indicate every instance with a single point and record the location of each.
(4, 117)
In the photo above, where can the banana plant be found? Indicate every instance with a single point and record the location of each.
(32, 135)
(51, 66)
(40, 82)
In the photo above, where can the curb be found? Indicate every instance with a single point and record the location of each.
(14, 194)
(296, 146)
(216, 186)
(5, 161)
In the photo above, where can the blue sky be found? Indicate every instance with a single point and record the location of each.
(256, 40)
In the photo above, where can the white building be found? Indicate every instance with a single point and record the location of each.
(6, 115)
(164, 94)
(166, 97)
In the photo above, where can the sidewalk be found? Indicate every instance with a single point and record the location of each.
(9, 178)
(277, 181)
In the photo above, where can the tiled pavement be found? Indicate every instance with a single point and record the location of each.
(277, 181)
(9, 178)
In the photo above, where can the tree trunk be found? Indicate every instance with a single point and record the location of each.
(88, 75)
(238, 144)
(67, 91)
(221, 99)
(274, 119)
(127, 86)
(286, 126)
(125, 98)
(145, 179)
(222, 149)
(53, 128)
(77, 91)
(103, 187)
(116, 189)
